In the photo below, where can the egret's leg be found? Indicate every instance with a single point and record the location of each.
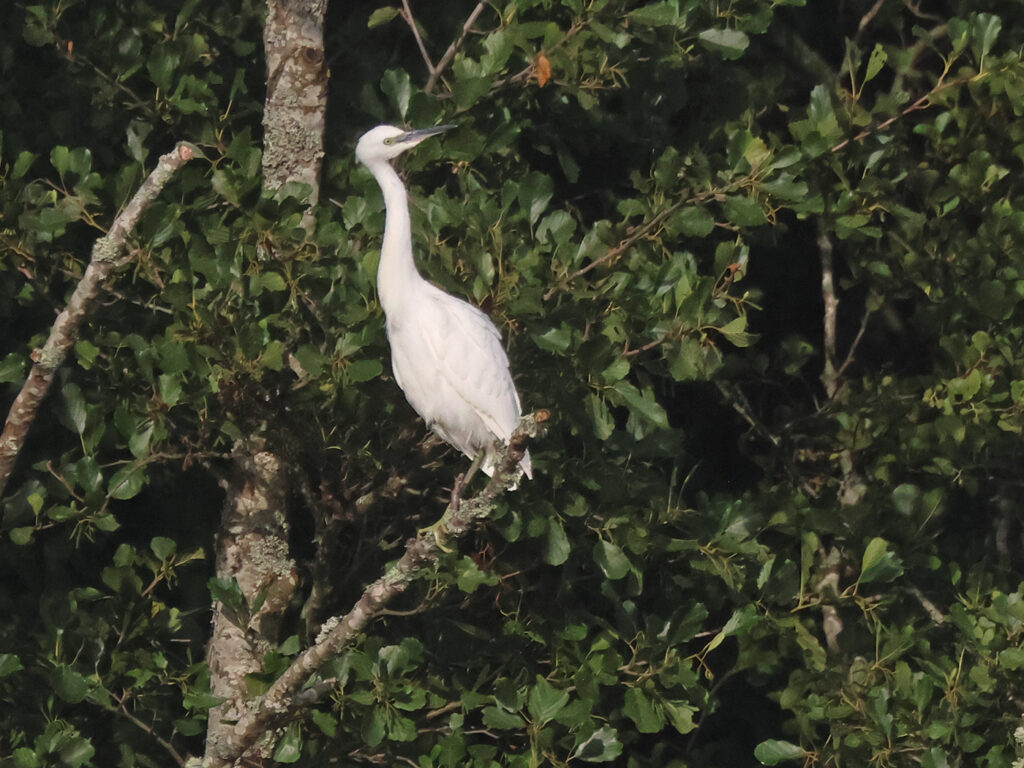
(473, 468)
(439, 529)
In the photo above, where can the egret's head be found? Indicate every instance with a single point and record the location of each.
(386, 141)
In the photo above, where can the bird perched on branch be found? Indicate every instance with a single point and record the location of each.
(447, 355)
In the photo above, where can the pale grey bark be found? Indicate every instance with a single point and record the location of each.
(252, 547)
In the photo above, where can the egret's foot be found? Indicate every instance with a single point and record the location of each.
(438, 530)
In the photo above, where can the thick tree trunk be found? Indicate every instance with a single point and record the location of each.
(253, 550)
(293, 118)
(253, 543)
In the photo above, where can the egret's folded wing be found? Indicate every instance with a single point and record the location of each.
(472, 360)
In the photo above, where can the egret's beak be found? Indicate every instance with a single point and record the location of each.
(413, 138)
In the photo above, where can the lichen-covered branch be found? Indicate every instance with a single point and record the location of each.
(293, 117)
(252, 550)
(243, 740)
(108, 253)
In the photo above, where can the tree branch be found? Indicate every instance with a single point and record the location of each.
(421, 553)
(411, 21)
(446, 59)
(829, 375)
(108, 253)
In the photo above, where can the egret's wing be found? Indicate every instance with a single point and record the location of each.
(472, 360)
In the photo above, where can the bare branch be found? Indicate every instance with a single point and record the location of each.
(108, 253)
(829, 376)
(122, 710)
(855, 343)
(868, 17)
(920, 103)
(420, 553)
(446, 59)
(411, 21)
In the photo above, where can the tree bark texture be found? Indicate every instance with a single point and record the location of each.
(108, 253)
(298, 685)
(293, 117)
(253, 543)
(252, 548)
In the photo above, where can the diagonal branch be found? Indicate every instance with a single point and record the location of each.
(446, 59)
(434, 71)
(411, 21)
(108, 253)
(289, 691)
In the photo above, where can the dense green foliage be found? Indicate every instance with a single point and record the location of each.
(746, 540)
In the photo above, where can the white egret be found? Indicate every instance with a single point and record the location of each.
(446, 354)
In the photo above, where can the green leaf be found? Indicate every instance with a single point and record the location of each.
(601, 746)
(70, 685)
(25, 758)
(470, 577)
(326, 722)
(545, 701)
(495, 717)
(74, 405)
(875, 62)
(655, 15)
(22, 164)
(985, 29)
(381, 16)
(126, 482)
(75, 752)
(773, 752)
(289, 747)
(600, 416)
(60, 158)
(611, 560)
(163, 547)
(730, 43)
(554, 339)
(364, 370)
(878, 563)
(743, 211)
(680, 715)
(1009, 658)
(556, 543)
(12, 368)
(22, 535)
(273, 282)
(396, 84)
(692, 221)
(735, 331)
(642, 711)
(641, 403)
(535, 192)
(9, 664)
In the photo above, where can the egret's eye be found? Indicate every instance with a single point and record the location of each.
(389, 141)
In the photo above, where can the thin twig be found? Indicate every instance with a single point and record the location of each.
(123, 712)
(446, 59)
(411, 21)
(869, 16)
(918, 104)
(853, 345)
(829, 377)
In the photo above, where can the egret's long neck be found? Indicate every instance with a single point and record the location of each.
(397, 270)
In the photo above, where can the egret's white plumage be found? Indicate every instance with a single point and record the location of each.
(447, 355)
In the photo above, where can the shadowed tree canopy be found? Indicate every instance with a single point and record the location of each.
(761, 263)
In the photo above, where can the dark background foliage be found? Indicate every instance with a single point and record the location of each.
(746, 541)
